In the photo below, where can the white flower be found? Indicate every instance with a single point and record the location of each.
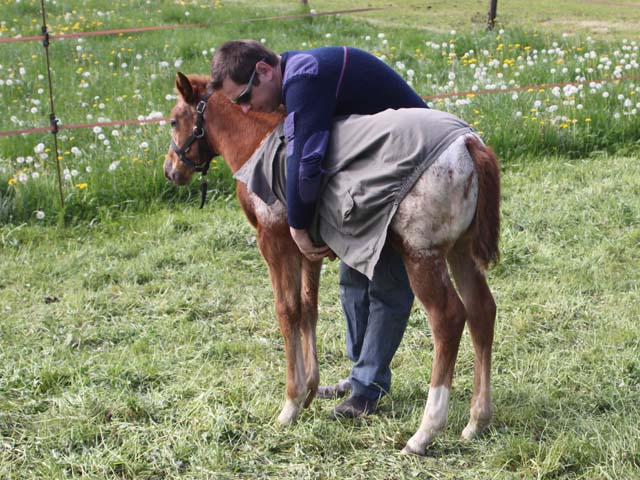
(114, 165)
(39, 214)
(39, 148)
(327, 35)
(35, 175)
(97, 129)
(452, 76)
(88, 169)
(537, 104)
(453, 32)
(178, 63)
(605, 94)
(144, 145)
(115, 133)
(381, 35)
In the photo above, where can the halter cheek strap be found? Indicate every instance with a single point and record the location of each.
(204, 151)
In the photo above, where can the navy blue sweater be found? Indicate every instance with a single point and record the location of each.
(317, 85)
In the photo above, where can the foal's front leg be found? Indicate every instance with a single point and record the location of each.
(285, 270)
(309, 305)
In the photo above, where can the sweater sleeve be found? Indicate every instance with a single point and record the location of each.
(311, 105)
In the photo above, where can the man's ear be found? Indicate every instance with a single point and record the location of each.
(264, 69)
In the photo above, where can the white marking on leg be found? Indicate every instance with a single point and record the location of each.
(433, 421)
(481, 413)
(293, 406)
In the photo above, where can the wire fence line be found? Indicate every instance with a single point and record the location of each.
(46, 37)
(54, 124)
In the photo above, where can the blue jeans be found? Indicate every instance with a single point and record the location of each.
(377, 312)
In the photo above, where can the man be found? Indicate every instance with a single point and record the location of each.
(314, 86)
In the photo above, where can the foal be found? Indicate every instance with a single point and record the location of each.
(451, 216)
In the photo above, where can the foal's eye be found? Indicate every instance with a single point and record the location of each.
(173, 122)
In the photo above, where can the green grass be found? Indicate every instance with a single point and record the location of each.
(162, 356)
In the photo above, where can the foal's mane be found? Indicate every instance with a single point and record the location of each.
(230, 131)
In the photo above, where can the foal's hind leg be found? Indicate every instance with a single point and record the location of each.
(431, 284)
(481, 314)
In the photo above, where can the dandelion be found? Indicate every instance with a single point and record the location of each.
(39, 214)
(144, 145)
(39, 148)
(81, 185)
(97, 129)
(76, 151)
(381, 36)
(12, 181)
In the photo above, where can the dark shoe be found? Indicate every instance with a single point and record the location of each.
(337, 390)
(353, 407)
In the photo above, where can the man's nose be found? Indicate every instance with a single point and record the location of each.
(245, 107)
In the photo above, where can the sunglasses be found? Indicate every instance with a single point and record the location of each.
(245, 95)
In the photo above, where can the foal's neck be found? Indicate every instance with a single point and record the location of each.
(237, 135)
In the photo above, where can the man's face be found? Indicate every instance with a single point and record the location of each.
(264, 97)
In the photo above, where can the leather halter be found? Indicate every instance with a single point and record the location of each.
(204, 151)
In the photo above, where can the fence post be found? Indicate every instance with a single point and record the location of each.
(52, 117)
(491, 17)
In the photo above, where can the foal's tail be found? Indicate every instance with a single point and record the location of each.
(485, 229)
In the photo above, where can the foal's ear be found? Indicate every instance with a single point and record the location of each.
(184, 87)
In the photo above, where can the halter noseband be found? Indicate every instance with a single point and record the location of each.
(204, 151)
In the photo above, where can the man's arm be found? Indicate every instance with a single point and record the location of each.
(311, 106)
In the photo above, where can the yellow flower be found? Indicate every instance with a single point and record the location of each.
(587, 120)
(12, 181)
(81, 185)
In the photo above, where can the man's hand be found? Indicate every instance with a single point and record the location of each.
(308, 249)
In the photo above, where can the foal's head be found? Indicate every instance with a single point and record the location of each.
(189, 151)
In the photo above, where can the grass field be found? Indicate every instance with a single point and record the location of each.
(138, 338)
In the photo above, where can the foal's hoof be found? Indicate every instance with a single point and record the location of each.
(289, 412)
(407, 450)
(474, 429)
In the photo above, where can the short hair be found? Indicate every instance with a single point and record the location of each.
(237, 59)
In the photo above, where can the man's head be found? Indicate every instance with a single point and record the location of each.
(248, 74)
